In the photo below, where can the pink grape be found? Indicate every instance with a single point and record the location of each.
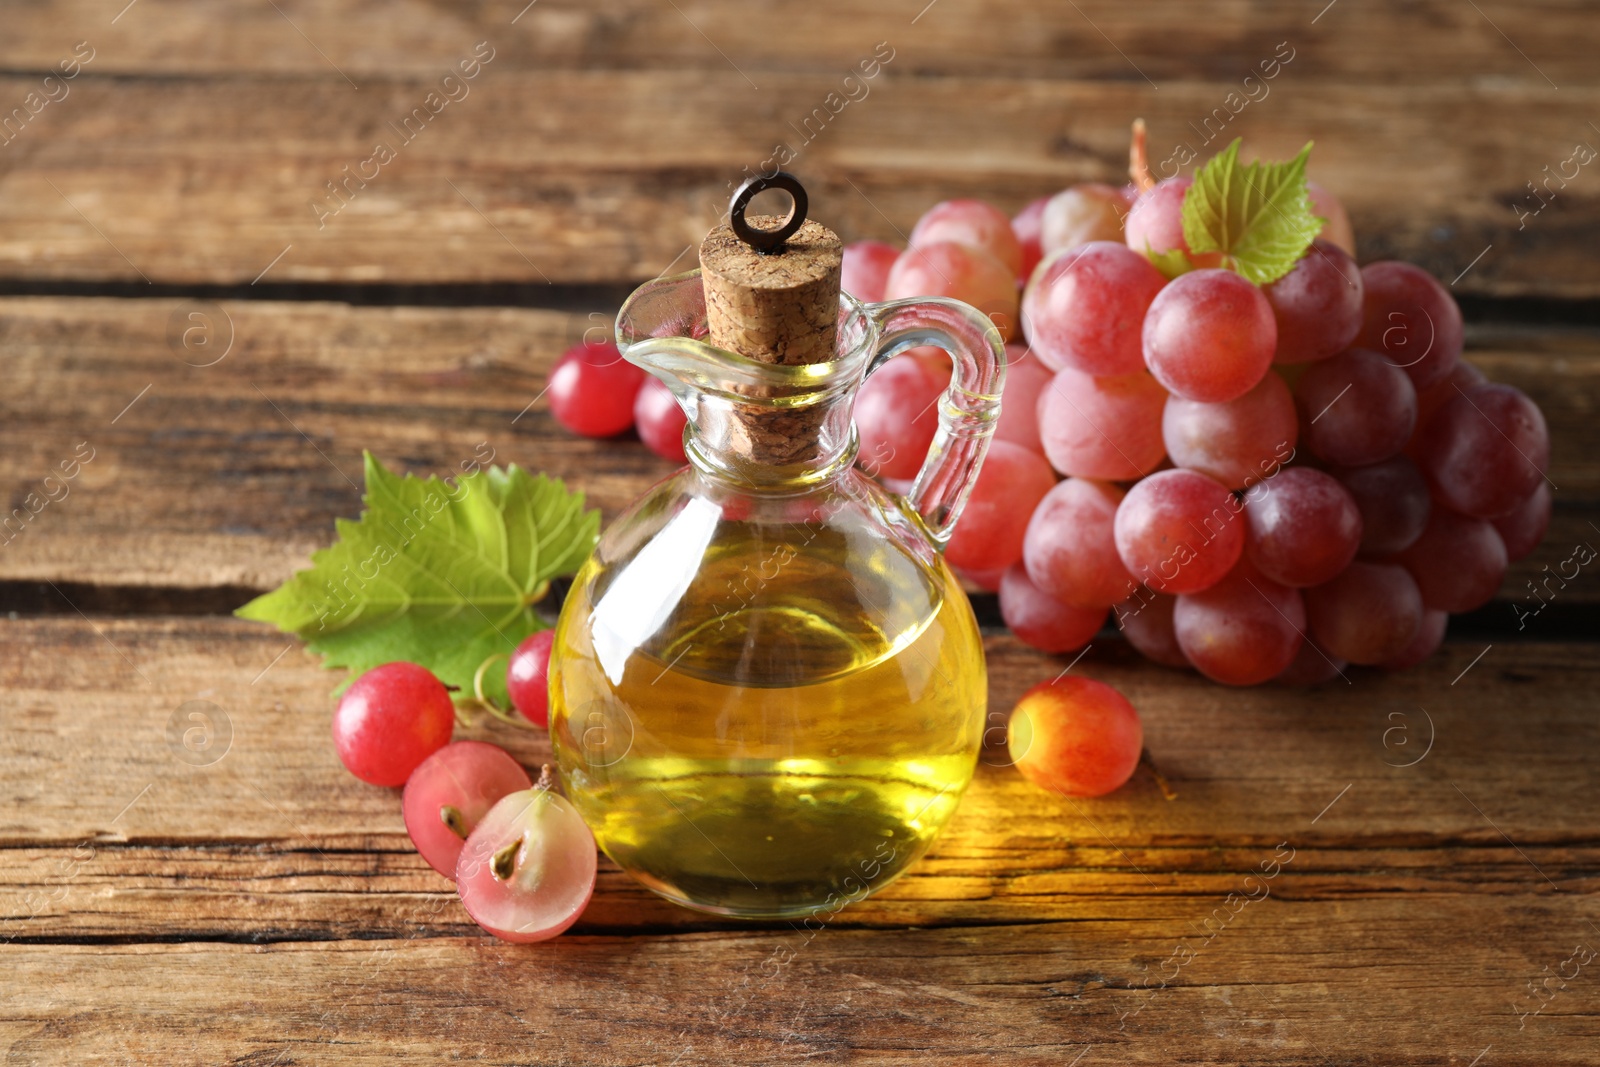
(1523, 529)
(1317, 305)
(1356, 408)
(962, 272)
(1085, 308)
(1041, 621)
(592, 389)
(1075, 736)
(659, 420)
(1070, 549)
(528, 677)
(988, 535)
(1179, 532)
(1312, 666)
(1237, 442)
(986, 580)
(1369, 613)
(1303, 527)
(527, 872)
(1486, 451)
(1458, 562)
(450, 793)
(1430, 635)
(897, 415)
(1410, 320)
(1028, 225)
(1392, 497)
(1146, 621)
(1336, 229)
(1243, 630)
(1107, 428)
(1155, 223)
(1086, 212)
(1210, 336)
(1026, 381)
(971, 222)
(865, 271)
(391, 719)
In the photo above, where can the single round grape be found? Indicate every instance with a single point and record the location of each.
(391, 719)
(1075, 736)
(1108, 428)
(528, 677)
(1179, 532)
(971, 222)
(1070, 549)
(1085, 308)
(1458, 562)
(961, 272)
(1086, 212)
(1026, 381)
(450, 793)
(1303, 527)
(1238, 442)
(1317, 305)
(1028, 225)
(1463, 378)
(1146, 621)
(1355, 409)
(1244, 630)
(1523, 529)
(985, 580)
(592, 389)
(1430, 635)
(1411, 320)
(1209, 335)
(897, 415)
(1486, 451)
(1392, 497)
(659, 420)
(1155, 222)
(865, 270)
(1368, 614)
(1312, 666)
(527, 872)
(1041, 621)
(988, 535)
(1336, 229)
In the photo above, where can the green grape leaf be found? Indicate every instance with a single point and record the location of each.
(1170, 263)
(1258, 217)
(438, 574)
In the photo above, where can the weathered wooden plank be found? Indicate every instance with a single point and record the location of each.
(581, 176)
(231, 475)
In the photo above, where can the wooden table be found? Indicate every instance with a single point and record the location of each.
(1433, 836)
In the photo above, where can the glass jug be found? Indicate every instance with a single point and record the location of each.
(767, 689)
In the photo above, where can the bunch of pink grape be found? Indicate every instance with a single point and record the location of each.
(1259, 481)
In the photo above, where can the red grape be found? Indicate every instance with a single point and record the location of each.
(962, 272)
(1303, 526)
(659, 420)
(1238, 441)
(1040, 620)
(449, 794)
(1356, 408)
(1486, 451)
(1155, 223)
(988, 580)
(1392, 497)
(988, 535)
(1463, 378)
(1410, 320)
(1336, 229)
(1146, 621)
(528, 677)
(1368, 614)
(527, 872)
(1209, 335)
(391, 719)
(1070, 550)
(1523, 529)
(1026, 381)
(592, 389)
(897, 415)
(1312, 666)
(1028, 225)
(1243, 630)
(970, 222)
(1086, 212)
(1317, 305)
(865, 270)
(1429, 636)
(1458, 562)
(1075, 736)
(1106, 428)
(1085, 308)
(1179, 532)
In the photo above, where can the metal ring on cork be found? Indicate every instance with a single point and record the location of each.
(768, 242)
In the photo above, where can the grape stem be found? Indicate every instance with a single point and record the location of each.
(481, 701)
(1148, 763)
(1139, 159)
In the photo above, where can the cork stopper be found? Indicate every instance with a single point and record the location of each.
(777, 304)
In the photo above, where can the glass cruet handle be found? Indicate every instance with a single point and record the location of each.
(968, 409)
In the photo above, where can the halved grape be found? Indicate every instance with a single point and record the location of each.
(1146, 621)
(1525, 527)
(1486, 451)
(1107, 428)
(961, 272)
(1243, 630)
(1458, 562)
(1317, 305)
(527, 872)
(1085, 308)
(970, 222)
(1303, 527)
(1356, 408)
(988, 535)
(1410, 320)
(1209, 335)
(1040, 620)
(1369, 613)
(449, 794)
(1070, 549)
(1238, 442)
(1392, 497)
(1179, 532)
(865, 270)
